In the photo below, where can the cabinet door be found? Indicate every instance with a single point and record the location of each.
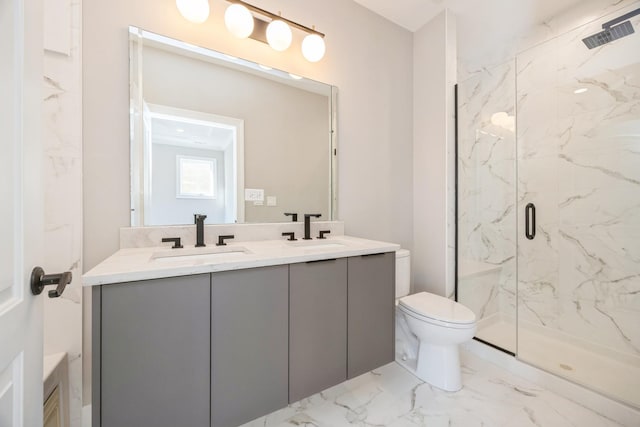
(155, 353)
(249, 344)
(371, 322)
(317, 327)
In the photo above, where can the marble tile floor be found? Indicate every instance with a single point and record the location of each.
(391, 396)
(610, 374)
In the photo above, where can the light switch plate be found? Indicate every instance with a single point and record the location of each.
(271, 201)
(253, 195)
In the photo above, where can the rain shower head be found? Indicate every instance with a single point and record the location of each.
(609, 35)
(612, 30)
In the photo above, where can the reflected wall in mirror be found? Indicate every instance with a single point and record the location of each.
(207, 128)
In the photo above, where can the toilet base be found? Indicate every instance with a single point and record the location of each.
(439, 365)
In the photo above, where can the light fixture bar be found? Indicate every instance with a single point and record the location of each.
(274, 16)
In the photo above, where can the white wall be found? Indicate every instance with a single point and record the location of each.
(434, 65)
(62, 134)
(368, 58)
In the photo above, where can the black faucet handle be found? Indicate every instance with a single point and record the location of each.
(323, 233)
(294, 216)
(312, 215)
(176, 242)
(291, 234)
(221, 239)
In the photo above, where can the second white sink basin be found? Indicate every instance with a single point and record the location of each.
(200, 254)
(318, 244)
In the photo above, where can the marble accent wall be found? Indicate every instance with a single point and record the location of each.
(487, 196)
(62, 109)
(577, 159)
(482, 48)
(579, 162)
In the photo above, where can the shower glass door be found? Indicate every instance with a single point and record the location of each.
(486, 203)
(578, 178)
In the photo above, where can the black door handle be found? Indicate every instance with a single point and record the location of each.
(530, 221)
(39, 280)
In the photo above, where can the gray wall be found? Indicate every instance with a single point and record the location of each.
(433, 156)
(368, 58)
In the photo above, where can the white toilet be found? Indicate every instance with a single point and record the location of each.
(439, 324)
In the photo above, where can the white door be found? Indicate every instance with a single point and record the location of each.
(21, 218)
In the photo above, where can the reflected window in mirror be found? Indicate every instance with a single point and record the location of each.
(196, 177)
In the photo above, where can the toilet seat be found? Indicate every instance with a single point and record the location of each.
(437, 310)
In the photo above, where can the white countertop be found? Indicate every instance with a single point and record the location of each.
(135, 264)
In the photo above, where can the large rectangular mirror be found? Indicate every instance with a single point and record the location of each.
(225, 137)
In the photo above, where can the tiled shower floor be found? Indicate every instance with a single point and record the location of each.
(615, 377)
(391, 396)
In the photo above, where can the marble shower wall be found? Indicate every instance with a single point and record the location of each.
(487, 195)
(62, 130)
(579, 162)
(479, 50)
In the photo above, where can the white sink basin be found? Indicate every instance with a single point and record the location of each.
(200, 254)
(318, 244)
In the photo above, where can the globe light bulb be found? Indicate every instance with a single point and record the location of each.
(238, 21)
(196, 11)
(313, 48)
(279, 35)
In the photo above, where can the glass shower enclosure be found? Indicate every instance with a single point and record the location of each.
(548, 162)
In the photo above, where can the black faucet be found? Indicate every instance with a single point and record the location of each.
(198, 219)
(307, 225)
(294, 216)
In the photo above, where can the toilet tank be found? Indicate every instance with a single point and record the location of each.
(403, 272)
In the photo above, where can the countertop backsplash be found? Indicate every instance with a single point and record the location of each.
(142, 237)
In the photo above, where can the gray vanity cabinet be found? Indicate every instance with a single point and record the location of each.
(371, 315)
(249, 344)
(221, 349)
(317, 326)
(153, 353)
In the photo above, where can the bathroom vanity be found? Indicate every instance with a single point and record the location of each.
(222, 336)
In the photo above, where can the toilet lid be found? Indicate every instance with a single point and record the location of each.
(438, 308)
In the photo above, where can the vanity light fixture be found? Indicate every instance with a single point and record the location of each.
(279, 35)
(241, 19)
(196, 11)
(313, 47)
(238, 21)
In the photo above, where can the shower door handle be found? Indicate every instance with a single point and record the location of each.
(530, 221)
